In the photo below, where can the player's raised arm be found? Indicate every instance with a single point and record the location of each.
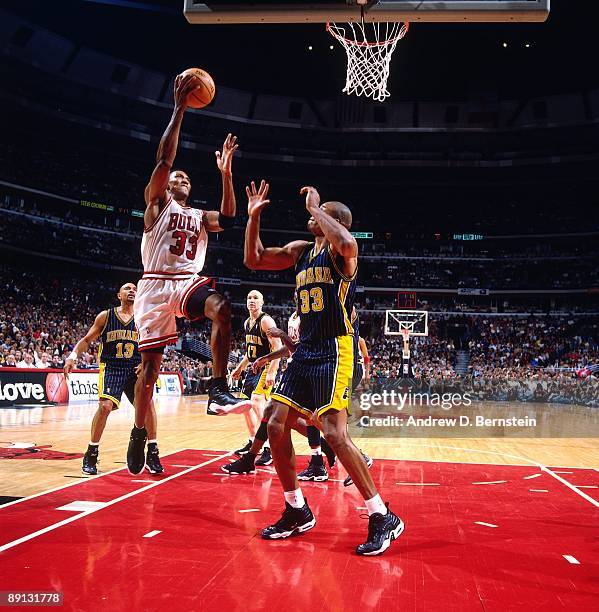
(155, 192)
(335, 228)
(255, 255)
(93, 334)
(217, 221)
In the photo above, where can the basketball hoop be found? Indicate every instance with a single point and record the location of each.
(369, 48)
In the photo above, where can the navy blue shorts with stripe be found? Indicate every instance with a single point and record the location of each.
(116, 380)
(319, 377)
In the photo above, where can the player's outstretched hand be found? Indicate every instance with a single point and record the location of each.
(224, 159)
(257, 198)
(312, 197)
(69, 366)
(184, 85)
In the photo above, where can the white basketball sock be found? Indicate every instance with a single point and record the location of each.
(376, 504)
(295, 498)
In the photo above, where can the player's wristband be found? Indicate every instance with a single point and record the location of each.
(366, 360)
(225, 221)
(73, 356)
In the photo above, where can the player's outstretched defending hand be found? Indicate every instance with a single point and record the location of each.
(224, 159)
(184, 85)
(312, 197)
(257, 199)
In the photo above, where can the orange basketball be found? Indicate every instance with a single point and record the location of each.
(204, 91)
(56, 388)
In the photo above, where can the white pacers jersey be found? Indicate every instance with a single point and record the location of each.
(174, 246)
(293, 326)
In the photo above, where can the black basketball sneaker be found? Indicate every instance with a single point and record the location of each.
(153, 464)
(136, 451)
(90, 461)
(221, 401)
(245, 465)
(315, 470)
(265, 458)
(244, 449)
(382, 530)
(293, 520)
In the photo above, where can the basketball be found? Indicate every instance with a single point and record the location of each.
(204, 92)
(57, 389)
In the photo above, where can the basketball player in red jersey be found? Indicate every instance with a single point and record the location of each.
(173, 249)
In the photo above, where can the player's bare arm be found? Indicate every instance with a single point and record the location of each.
(155, 192)
(241, 366)
(364, 352)
(93, 334)
(266, 324)
(262, 361)
(217, 221)
(275, 332)
(255, 255)
(340, 238)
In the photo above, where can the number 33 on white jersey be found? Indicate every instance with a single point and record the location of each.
(175, 244)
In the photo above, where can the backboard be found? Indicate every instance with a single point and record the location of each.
(415, 321)
(322, 11)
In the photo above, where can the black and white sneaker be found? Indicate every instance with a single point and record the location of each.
(244, 449)
(315, 470)
(382, 530)
(221, 401)
(329, 453)
(90, 461)
(153, 464)
(136, 450)
(293, 520)
(348, 481)
(265, 458)
(245, 465)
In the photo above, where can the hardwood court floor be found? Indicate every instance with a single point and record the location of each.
(182, 423)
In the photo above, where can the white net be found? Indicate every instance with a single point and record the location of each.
(369, 47)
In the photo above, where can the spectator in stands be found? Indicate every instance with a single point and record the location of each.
(10, 362)
(27, 361)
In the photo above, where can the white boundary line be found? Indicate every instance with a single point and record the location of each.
(72, 484)
(572, 487)
(530, 462)
(71, 519)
